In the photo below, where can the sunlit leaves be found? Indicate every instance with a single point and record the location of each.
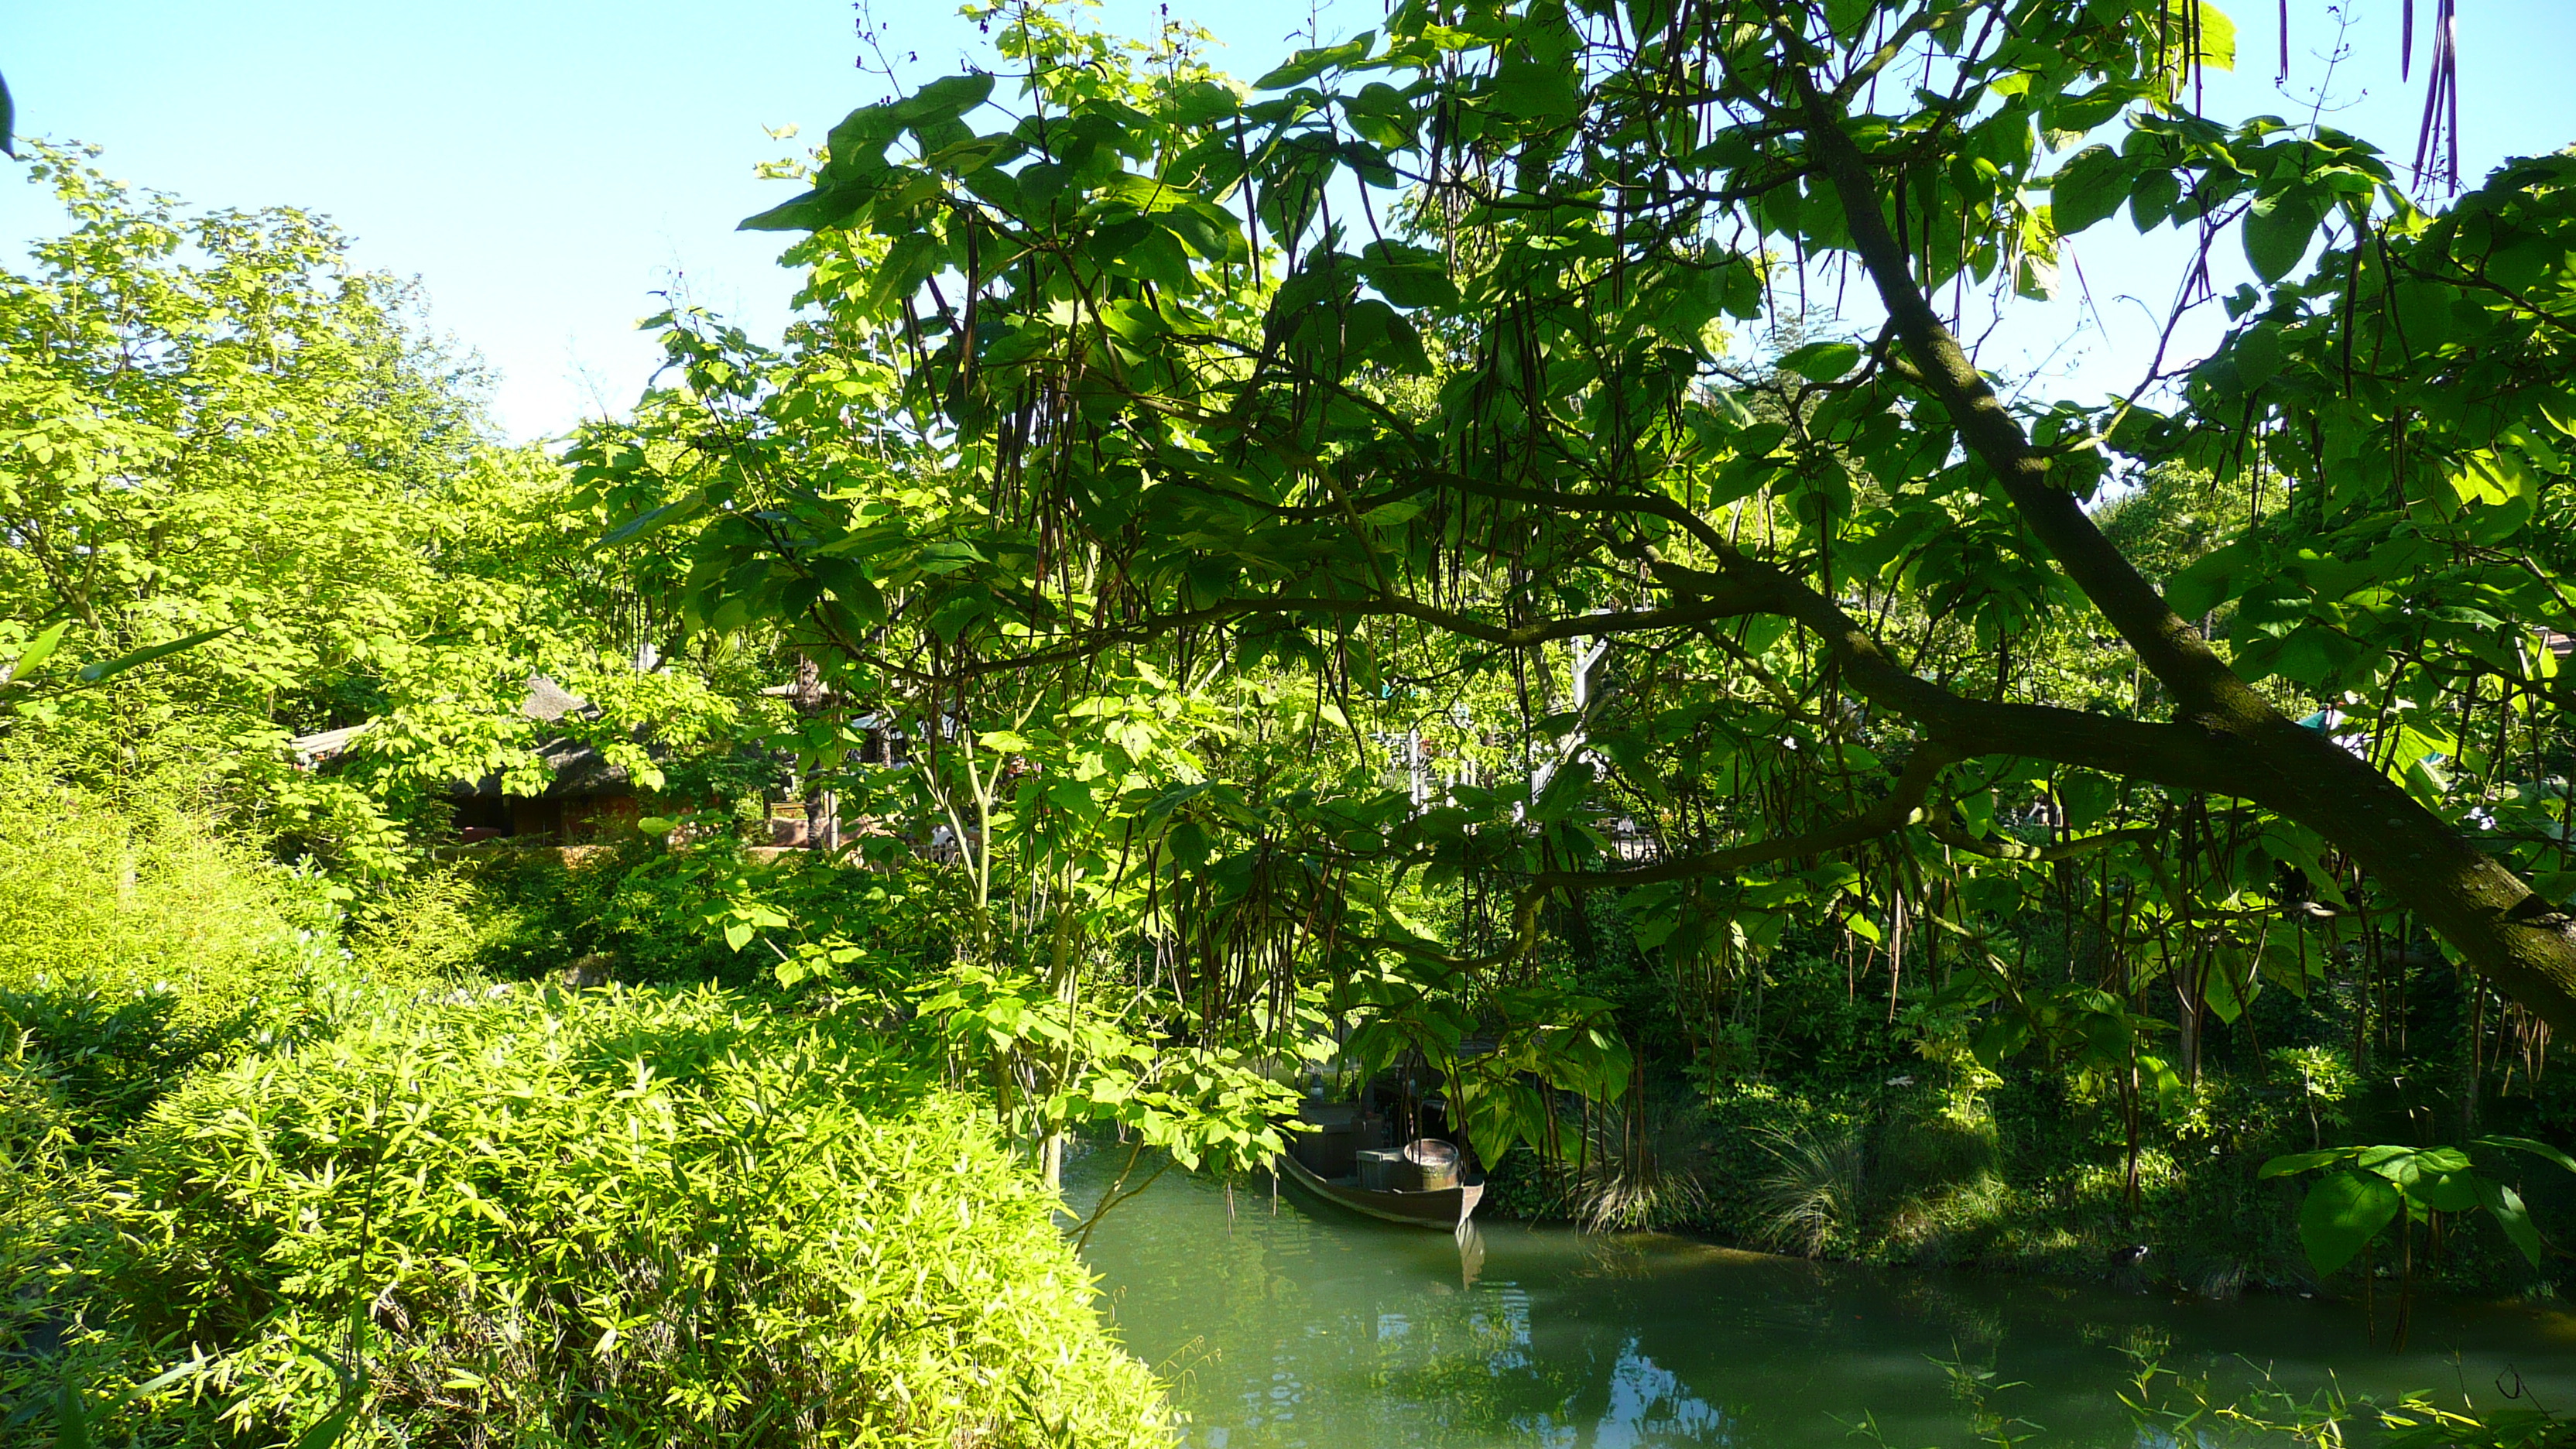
(2362, 1190)
(2090, 186)
(2278, 230)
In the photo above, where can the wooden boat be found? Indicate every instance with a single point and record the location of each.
(1446, 1208)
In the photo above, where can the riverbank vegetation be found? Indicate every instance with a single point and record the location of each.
(1478, 560)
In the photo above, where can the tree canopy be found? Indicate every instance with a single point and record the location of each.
(1409, 361)
(228, 455)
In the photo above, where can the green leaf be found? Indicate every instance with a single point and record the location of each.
(1822, 361)
(1407, 275)
(949, 96)
(821, 209)
(37, 652)
(2212, 579)
(2081, 113)
(653, 519)
(71, 1417)
(2300, 1162)
(1535, 91)
(330, 1429)
(1564, 793)
(2449, 1192)
(2089, 187)
(1305, 65)
(737, 936)
(2423, 312)
(2216, 49)
(2505, 1205)
(2152, 198)
(2278, 230)
(2258, 355)
(2343, 1212)
(2541, 1150)
(92, 674)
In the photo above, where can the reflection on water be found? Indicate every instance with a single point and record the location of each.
(1306, 1325)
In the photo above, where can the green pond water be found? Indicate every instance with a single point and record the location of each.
(1303, 1324)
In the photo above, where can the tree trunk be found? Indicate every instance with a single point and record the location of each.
(811, 699)
(2245, 747)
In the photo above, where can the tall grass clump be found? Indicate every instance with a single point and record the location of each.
(1810, 1198)
(609, 1218)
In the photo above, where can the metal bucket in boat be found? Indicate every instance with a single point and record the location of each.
(1430, 1165)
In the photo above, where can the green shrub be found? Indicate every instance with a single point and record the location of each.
(137, 940)
(123, 894)
(710, 912)
(612, 1218)
(453, 920)
(51, 1217)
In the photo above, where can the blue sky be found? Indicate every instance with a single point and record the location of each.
(545, 166)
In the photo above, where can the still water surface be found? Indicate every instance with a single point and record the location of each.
(1307, 1325)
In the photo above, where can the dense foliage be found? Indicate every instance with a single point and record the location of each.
(557, 1216)
(647, 1218)
(1479, 562)
(1327, 544)
(245, 499)
(227, 453)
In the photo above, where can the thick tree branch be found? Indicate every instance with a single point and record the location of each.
(2169, 647)
(2498, 925)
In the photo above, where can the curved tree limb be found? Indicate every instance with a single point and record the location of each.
(2492, 917)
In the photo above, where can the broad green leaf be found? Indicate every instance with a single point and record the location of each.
(1535, 91)
(1305, 65)
(1565, 792)
(2343, 1212)
(1822, 361)
(2300, 1162)
(824, 207)
(2507, 1208)
(2449, 1192)
(2278, 230)
(2090, 186)
(1407, 275)
(38, 650)
(948, 96)
(2152, 198)
(2216, 48)
(654, 519)
(2541, 1150)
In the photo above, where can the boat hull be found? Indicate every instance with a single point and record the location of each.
(1444, 1208)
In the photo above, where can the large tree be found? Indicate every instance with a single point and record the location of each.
(1412, 363)
(236, 463)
